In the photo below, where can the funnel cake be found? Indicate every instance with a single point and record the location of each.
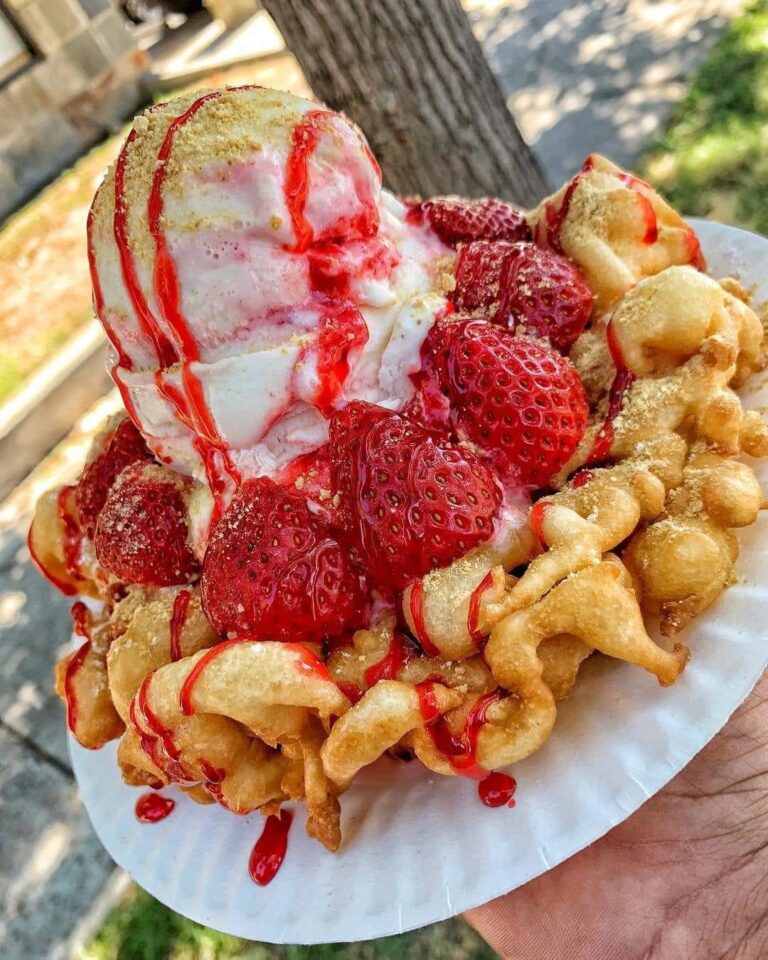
(390, 472)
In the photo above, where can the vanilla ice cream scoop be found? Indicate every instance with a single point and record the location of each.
(252, 275)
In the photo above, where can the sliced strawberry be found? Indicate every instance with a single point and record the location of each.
(479, 271)
(142, 534)
(517, 399)
(530, 290)
(458, 220)
(408, 503)
(544, 295)
(273, 570)
(123, 446)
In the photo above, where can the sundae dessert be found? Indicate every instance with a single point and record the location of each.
(389, 471)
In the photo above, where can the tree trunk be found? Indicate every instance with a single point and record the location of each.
(413, 76)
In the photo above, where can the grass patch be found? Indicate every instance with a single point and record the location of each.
(712, 159)
(141, 928)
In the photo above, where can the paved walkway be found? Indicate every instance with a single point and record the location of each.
(595, 75)
(580, 76)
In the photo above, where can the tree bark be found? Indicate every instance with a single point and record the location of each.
(412, 74)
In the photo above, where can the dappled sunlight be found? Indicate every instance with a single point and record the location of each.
(11, 605)
(711, 160)
(595, 75)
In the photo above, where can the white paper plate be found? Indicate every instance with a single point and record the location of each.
(419, 848)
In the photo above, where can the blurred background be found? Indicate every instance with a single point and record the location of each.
(675, 89)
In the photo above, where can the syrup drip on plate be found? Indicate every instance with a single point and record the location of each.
(269, 852)
(178, 619)
(153, 807)
(497, 790)
(622, 382)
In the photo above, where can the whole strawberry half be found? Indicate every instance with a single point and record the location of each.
(142, 533)
(530, 290)
(408, 502)
(458, 220)
(515, 398)
(274, 571)
(123, 446)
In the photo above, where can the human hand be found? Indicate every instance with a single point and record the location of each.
(684, 878)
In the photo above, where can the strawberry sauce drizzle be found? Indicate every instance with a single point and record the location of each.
(622, 382)
(164, 350)
(304, 140)
(497, 790)
(178, 619)
(269, 851)
(80, 623)
(399, 655)
(63, 586)
(416, 610)
(123, 360)
(152, 807)
(651, 234)
(73, 535)
(536, 519)
(549, 231)
(351, 691)
(580, 478)
(307, 663)
(473, 613)
(193, 406)
(460, 750)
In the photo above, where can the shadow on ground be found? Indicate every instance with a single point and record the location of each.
(595, 75)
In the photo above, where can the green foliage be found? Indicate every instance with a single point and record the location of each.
(712, 159)
(141, 928)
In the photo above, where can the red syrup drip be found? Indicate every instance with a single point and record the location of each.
(351, 691)
(164, 350)
(580, 479)
(342, 330)
(64, 586)
(178, 619)
(158, 744)
(536, 519)
(497, 789)
(473, 613)
(80, 619)
(622, 382)
(307, 663)
(695, 255)
(80, 623)
(73, 535)
(548, 232)
(213, 782)
(269, 852)
(192, 406)
(304, 140)
(152, 807)
(460, 750)
(123, 360)
(399, 655)
(416, 610)
(651, 234)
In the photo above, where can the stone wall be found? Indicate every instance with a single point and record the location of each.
(84, 80)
